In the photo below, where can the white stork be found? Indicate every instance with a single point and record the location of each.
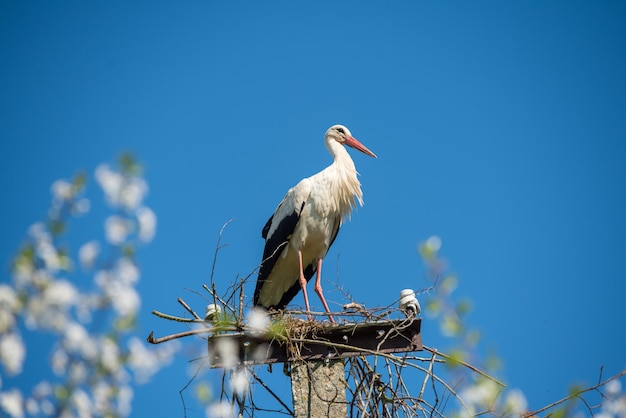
(305, 224)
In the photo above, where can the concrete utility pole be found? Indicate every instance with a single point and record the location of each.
(319, 389)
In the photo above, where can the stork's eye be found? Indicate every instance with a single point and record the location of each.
(341, 130)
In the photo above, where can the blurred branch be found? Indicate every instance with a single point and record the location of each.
(465, 364)
(576, 394)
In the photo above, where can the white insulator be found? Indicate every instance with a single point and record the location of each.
(212, 311)
(409, 303)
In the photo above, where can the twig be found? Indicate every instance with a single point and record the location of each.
(153, 340)
(401, 362)
(270, 391)
(463, 363)
(218, 247)
(184, 388)
(240, 318)
(173, 318)
(216, 297)
(188, 309)
(575, 395)
(427, 375)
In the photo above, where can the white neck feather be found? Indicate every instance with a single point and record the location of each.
(345, 183)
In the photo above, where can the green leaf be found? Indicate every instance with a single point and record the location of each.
(433, 306)
(463, 307)
(56, 227)
(426, 252)
(278, 330)
(128, 165)
(24, 258)
(79, 181)
(456, 357)
(575, 389)
(203, 392)
(448, 284)
(472, 337)
(125, 323)
(451, 326)
(128, 250)
(60, 392)
(493, 362)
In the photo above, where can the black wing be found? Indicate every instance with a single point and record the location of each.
(274, 245)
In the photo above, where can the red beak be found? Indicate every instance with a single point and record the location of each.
(354, 143)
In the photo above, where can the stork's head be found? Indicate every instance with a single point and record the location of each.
(342, 135)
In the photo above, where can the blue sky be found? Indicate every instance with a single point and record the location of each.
(500, 127)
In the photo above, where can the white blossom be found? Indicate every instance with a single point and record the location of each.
(147, 223)
(44, 246)
(38, 232)
(615, 401)
(49, 309)
(146, 361)
(32, 407)
(239, 381)
(515, 402)
(8, 297)
(132, 193)
(228, 352)
(127, 192)
(613, 388)
(84, 306)
(102, 391)
(23, 273)
(60, 360)
(77, 340)
(35, 310)
(47, 407)
(258, 322)
(124, 400)
(11, 402)
(433, 243)
(88, 253)
(61, 293)
(9, 306)
(220, 409)
(102, 278)
(141, 360)
(81, 206)
(42, 389)
(111, 183)
(62, 190)
(480, 395)
(125, 299)
(261, 353)
(12, 353)
(109, 354)
(78, 371)
(48, 253)
(82, 403)
(126, 271)
(116, 229)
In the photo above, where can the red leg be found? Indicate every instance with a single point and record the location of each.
(318, 289)
(303, 286)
